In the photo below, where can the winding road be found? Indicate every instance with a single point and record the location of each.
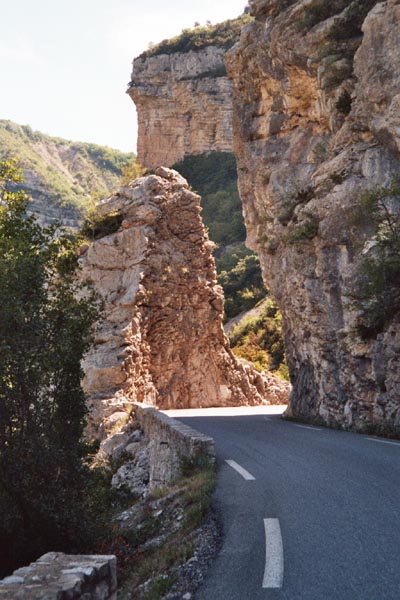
(307, 513)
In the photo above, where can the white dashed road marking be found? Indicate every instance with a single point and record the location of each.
(245, 474)
(308, 427)
(273, 574)
(383, 442)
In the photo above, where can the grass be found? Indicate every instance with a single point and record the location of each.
(151, 554)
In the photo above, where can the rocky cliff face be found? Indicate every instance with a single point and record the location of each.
(162, 340)
(316, 123)
(184, 105)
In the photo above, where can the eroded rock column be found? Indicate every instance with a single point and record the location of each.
(162, 340)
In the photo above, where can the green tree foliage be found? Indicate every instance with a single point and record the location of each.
(46, 320)
(376, 292)
(259, 340)
(243, 286)
(214, 177)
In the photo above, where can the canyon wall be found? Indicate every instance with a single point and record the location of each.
(184, 105)
(161, 341)
(316, 124)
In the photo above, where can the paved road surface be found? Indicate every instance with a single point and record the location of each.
(321, 518)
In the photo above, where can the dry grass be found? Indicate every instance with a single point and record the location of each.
(163, 542)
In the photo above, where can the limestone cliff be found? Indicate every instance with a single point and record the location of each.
(162, 340)
(183, 95)
(316, 123)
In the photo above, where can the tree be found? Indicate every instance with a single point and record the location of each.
(46, 323)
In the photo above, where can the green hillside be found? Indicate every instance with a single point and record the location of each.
(61, 176)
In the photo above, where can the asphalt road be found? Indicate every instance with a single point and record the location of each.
(335, 497)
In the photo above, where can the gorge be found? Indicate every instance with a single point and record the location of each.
(315, 122)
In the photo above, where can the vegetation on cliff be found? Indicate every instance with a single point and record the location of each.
(376, 293)
(342, 40)
(223, 35)
(61, 172)
(353, 13)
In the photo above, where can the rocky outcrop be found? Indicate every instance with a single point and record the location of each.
(316, 123)
(162, 341)
(184, 105)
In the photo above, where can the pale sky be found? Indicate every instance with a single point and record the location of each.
(65, 64)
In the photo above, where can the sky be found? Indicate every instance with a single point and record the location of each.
(65, 64)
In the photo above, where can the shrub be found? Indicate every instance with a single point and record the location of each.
(343, 104)
(304, 231)
(349, 24)
(320, 10)
(337, 72)
(223, 35)
(243, 286)
(259, 340)
(97, 225)
(376, 292)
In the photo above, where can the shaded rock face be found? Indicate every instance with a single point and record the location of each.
(311, 133)
(184, 105)
(162, 340)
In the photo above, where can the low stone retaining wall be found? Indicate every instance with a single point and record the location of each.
(57, 576)
(172, 444)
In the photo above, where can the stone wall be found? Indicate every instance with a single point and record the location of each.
(57, 576)
(171, 443)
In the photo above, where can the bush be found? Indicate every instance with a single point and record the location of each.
(376, 292)
(259, 340)
(97, 226)
(243, 286)
(304, 231)
(320, 10)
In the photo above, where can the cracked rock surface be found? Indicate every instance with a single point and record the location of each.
(161, 341)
